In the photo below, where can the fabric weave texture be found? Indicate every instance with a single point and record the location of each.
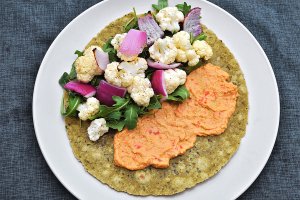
(28, 27)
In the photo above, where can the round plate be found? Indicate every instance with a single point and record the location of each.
(255, 147)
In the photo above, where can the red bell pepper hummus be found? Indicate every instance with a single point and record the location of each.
(170, 131)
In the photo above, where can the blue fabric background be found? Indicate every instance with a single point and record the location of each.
(28, 27)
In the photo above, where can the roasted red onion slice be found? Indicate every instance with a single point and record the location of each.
(102, 59)
(158, 84)
(159, 65)
(83, 89)
(134, 43)
(106, 91)
(150, 26)
(191, 22)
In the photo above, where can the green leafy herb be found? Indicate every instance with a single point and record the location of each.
(189, 69)
(116, 115)
(184, 8)
(112, 53)
(73, 102)
(154, 103)
(79, 53)
(64, 79)
(132, 23)
(131, 116)
(117, 125)
(160, 5)
(200, 37)
(104, 111)
(72, 74)
(180, 94)
(107, 46)
(96, 80)
(148, 72)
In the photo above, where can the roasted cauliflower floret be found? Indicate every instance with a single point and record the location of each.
(169, 18)
(141, 91)
(203, 49)
(122, 74)
(89, 108)
(174, 78)
(86, 66)
(97, 128)
(163, 50)
(117, 40)
(112, 75)
(185, 51)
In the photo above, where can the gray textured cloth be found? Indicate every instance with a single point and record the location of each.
(28, 28)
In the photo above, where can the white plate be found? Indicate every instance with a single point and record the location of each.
(255, 147)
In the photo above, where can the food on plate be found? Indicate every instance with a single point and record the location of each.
(156, 103)
(172, 130)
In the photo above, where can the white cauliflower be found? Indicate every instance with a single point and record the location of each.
(136, 67)
(141, 91)
(203, 49)
(86, 66)
(122, 74)
(112, 74)
(132, 76)
(117, 40)
(185, 51)
(163, 50)
(88, 109)
(97, 128)
(174, 78)
(169, 18)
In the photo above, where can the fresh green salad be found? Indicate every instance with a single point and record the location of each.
(135, 71)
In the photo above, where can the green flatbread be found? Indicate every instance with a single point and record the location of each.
(201, 162)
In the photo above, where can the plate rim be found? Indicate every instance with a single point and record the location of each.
(38, 77)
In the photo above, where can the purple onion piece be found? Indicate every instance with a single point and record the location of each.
(133, 43)
(106, 91)
(83, 89)
(159, 65)
(102, 59)
(150, 26)
(191, 22)
(158, 84)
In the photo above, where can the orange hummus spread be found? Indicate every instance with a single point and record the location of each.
(170, 131)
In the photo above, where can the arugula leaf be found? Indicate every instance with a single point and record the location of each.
(189, 69)
(154, 103)
(131, 116)
(180, 94)
(160, 5)
(79, 53)
(184, 8)
(96, 80)
(132, 23)
(120, 101)
(104, 111)
(73, 103)
(72, 74)
(200, 37)
(118, 125)
(116, 115)
(106, 47)
(112, 53)
(148, 72)
(64, 79)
